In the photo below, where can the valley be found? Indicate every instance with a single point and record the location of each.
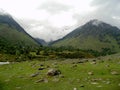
(88, 58)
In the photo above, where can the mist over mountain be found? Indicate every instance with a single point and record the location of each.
(95, 35)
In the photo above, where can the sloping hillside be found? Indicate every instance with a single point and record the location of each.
(95, 35)
(13, 35)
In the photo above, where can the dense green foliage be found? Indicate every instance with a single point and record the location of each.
(13, 42)
(29, 53)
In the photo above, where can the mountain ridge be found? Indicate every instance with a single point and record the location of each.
(12, 35)
(94, 35)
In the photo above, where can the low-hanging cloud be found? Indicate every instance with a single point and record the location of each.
(52, 19)
(54, 7)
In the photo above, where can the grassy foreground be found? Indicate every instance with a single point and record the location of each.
(93, 74)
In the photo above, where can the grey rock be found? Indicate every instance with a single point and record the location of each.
(41, 68)
(82, 85)
(114, 73)
(35, 74)
(90, 73)
(53, 72)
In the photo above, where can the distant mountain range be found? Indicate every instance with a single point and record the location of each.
(41, 41)
(12, 34)
(95, 35)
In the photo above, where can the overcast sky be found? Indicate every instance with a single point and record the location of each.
(52, 19)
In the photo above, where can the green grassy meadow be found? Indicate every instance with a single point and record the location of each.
(76, 74)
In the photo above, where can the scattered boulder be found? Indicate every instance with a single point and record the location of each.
(99, 86)
(82, 85)
(53, 72)
(75, 65)
(74, 88)
(94, 83)
(33, 66)
(93, 62)
(114, 73)
(18, 87)
(41, 68)
(80, 62)
(35, 74)
(96, 79)
(42, 80)
(108, 82)
(90, 73)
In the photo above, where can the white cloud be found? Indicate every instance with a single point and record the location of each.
(62, 20)
(52, 19)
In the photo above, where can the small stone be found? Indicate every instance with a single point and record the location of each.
(108, 82)
(114, 73)
(99, 86)
(90, 73)
(80, 62)
(35, 74)
(94, 83)
(41, 80)
(93, 62)
(96, 79)
(18, 87)
(74, 88)
(41, 68)
(53, 72)
(119, 84)
(82, 86)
